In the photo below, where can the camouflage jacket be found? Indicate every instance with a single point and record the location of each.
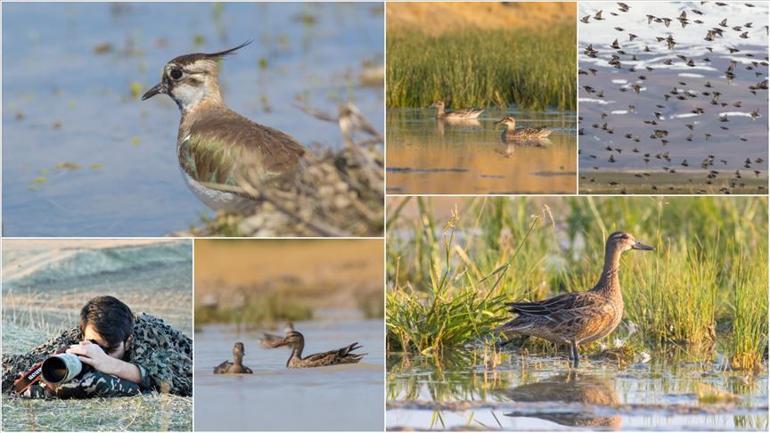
(162, 354)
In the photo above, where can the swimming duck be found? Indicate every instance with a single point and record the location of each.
(340, 356)
(510, 133)
(271, 341)
(235, 367)
(469, 114)
(578, 318)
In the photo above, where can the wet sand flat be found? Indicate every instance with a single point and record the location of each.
(662, 93)
(641, 182)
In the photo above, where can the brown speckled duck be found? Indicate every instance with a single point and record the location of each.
(468, 114)
(578, 318)
(296, 341)
(236, 366)
(511, 134)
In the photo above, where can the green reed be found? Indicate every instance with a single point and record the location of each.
(478, 68)
(709, 268)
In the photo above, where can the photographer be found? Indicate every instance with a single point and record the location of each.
(121, 355)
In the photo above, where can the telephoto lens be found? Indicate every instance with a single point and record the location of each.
(61, 368)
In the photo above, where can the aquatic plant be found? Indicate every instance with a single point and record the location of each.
(478, 68)
(749, 305)
(451, 305)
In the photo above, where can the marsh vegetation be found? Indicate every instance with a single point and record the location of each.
(495, 55)
(711, 256)
(696, 307)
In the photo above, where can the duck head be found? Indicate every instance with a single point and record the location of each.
(293, 339)
(623, 241)
(508, 121)
(238, 350)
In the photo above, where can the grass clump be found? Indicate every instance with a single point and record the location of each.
(477, 68)
(749, 304)
(444, 299)
(264, 309)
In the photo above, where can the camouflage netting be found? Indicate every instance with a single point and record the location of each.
(162, 351)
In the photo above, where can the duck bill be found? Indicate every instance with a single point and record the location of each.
(643, 247)
(499, 122)
(156, 90)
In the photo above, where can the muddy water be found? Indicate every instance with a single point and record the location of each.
(336, 398)
(535, 393)
(429, 156)
(661, 109)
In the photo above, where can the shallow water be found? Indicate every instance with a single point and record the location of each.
(348, 397)
(703, 131)
(535, 393)
(429, 156)
(84, 157)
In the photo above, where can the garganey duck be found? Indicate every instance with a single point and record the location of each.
(236, 366)
(296, 341)
(578, 318)
(441, 114)
(511, 134)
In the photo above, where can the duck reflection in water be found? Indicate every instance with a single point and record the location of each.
(455, 123)
(509, 148)
(586, 390)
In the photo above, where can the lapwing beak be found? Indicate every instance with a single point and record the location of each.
(643, 247)
(156, 89)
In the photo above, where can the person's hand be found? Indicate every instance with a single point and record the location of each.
(94, 356)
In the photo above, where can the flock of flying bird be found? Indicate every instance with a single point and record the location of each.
(700, 101)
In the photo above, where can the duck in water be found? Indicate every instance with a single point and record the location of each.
(271, 341)
(236, 366)
(511, 134)
(296, 341)
(456, 115)
(583, 317)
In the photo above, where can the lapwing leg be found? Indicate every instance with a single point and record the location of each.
(575, 354)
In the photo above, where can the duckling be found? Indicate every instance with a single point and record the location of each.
(583, 317)
(296, 341)
(235, 367)
(510, 133)
(271, 341)
(469, 114)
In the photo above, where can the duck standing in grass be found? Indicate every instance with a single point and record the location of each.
(457, 115)
(578, 318)
(236, 366)
(511, 134)
(296, 341)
